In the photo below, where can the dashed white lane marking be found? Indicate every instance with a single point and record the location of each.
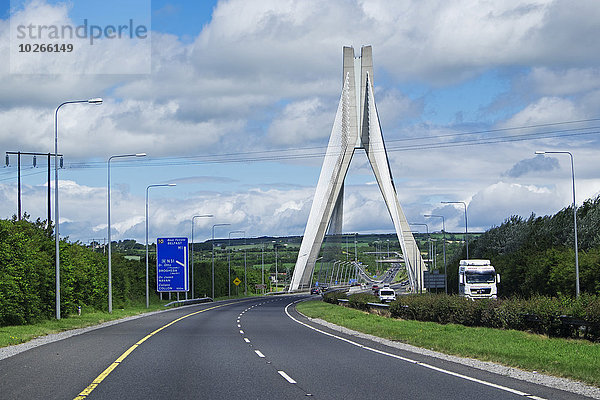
(444, 371)
(258, 353)
(261, 355)
(286, 377)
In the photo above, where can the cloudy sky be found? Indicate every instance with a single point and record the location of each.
(234, 102)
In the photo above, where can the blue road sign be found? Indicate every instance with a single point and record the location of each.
(172, 265)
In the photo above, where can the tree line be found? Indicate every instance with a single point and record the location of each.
(536, 256)
(28, 274)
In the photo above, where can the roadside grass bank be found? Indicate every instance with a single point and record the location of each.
(16, 334)
(568, 358)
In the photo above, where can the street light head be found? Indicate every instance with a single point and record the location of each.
(140, 154)
(96, 100)
(540, 152)
(171, 184)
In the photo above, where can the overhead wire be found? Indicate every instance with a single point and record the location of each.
(393, 145)
(319, 151)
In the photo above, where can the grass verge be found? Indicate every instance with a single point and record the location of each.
(11, 335)
(575, 359)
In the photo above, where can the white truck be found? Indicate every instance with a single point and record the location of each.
(387, 294)
(477, 279)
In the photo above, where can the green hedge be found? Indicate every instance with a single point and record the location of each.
(544, 315)
(539, 314)
(28, 275)
(360, 300)
(332, 297)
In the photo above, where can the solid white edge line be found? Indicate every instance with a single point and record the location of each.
(286, 377)
(258, 353)
(444, 371)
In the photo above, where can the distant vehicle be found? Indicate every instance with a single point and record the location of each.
(315, 290)
(387, 295)
(375, 288)
(477, 279)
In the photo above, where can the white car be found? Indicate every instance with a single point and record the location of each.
(386, 295)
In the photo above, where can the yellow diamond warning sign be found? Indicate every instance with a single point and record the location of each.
(237, 281)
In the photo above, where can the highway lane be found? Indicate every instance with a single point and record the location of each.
(256, 348)
(61, 370)
(326, 365)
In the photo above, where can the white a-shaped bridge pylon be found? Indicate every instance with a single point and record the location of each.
(356, 125)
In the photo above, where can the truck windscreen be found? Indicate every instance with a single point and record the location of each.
(480, 277)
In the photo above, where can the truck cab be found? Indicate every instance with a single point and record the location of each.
(477, 279)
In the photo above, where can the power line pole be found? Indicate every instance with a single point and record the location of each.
(34, 154)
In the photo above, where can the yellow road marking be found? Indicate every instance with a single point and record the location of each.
(85, 392)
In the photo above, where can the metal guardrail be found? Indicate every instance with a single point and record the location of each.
(378, 305)
(178, 303)
(374, 305)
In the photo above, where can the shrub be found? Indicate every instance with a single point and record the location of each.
(360, 300)
(538, 314)
(332, 297)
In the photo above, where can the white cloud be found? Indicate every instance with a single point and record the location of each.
(535, 164)
(500, 200)
(546, 110)
(302, 122)
(264, 75)
(565, 82)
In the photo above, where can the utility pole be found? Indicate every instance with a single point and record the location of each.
(25, 153)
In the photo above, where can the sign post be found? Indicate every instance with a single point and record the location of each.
(172, 265)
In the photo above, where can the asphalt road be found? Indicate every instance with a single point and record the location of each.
(259, 348)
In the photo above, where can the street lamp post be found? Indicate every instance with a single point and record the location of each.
(466, 223)
(444, 232)
(96, 101)
(276, 277)
(245, 269)
(213, 257)
(229, 260)
(109, 240)
(262, 268)
(574, 215)
(192, 257)
(147, 284)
